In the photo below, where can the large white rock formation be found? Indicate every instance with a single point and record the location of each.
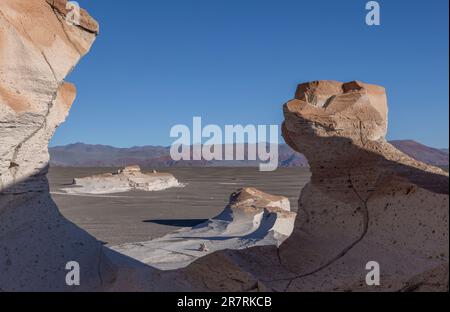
(126, 179)
(252, 218)
(37, 50)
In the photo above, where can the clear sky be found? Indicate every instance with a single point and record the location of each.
(157, 63)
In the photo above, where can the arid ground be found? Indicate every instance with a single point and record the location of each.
(141, 216)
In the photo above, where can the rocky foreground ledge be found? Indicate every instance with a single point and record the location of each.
(124, 180)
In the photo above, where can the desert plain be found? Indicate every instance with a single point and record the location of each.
(136, 216)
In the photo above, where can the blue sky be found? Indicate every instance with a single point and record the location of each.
(157, 63)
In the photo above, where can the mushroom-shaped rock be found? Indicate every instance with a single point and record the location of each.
(366, 202)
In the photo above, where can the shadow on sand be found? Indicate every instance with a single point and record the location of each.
(177, 222)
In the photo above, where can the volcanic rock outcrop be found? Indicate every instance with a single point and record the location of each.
(38, 246)
(126, 179)
(37, 50)
(252, 218)
(366, 200)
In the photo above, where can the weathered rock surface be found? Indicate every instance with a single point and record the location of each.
(366, 201)
(252, 218)
(37, 50)
(126, 179)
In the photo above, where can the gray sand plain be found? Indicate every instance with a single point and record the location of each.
(141, 216)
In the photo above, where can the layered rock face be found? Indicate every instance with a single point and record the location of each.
(366, 201)
(37, 50)
(126, 179)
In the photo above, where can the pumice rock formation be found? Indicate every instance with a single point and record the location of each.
(252, 218)
(126, 179)
(37, 50)
(366, 201)
(38, 246)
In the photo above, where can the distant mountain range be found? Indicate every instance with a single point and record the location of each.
(86, 155)
(429, 155)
